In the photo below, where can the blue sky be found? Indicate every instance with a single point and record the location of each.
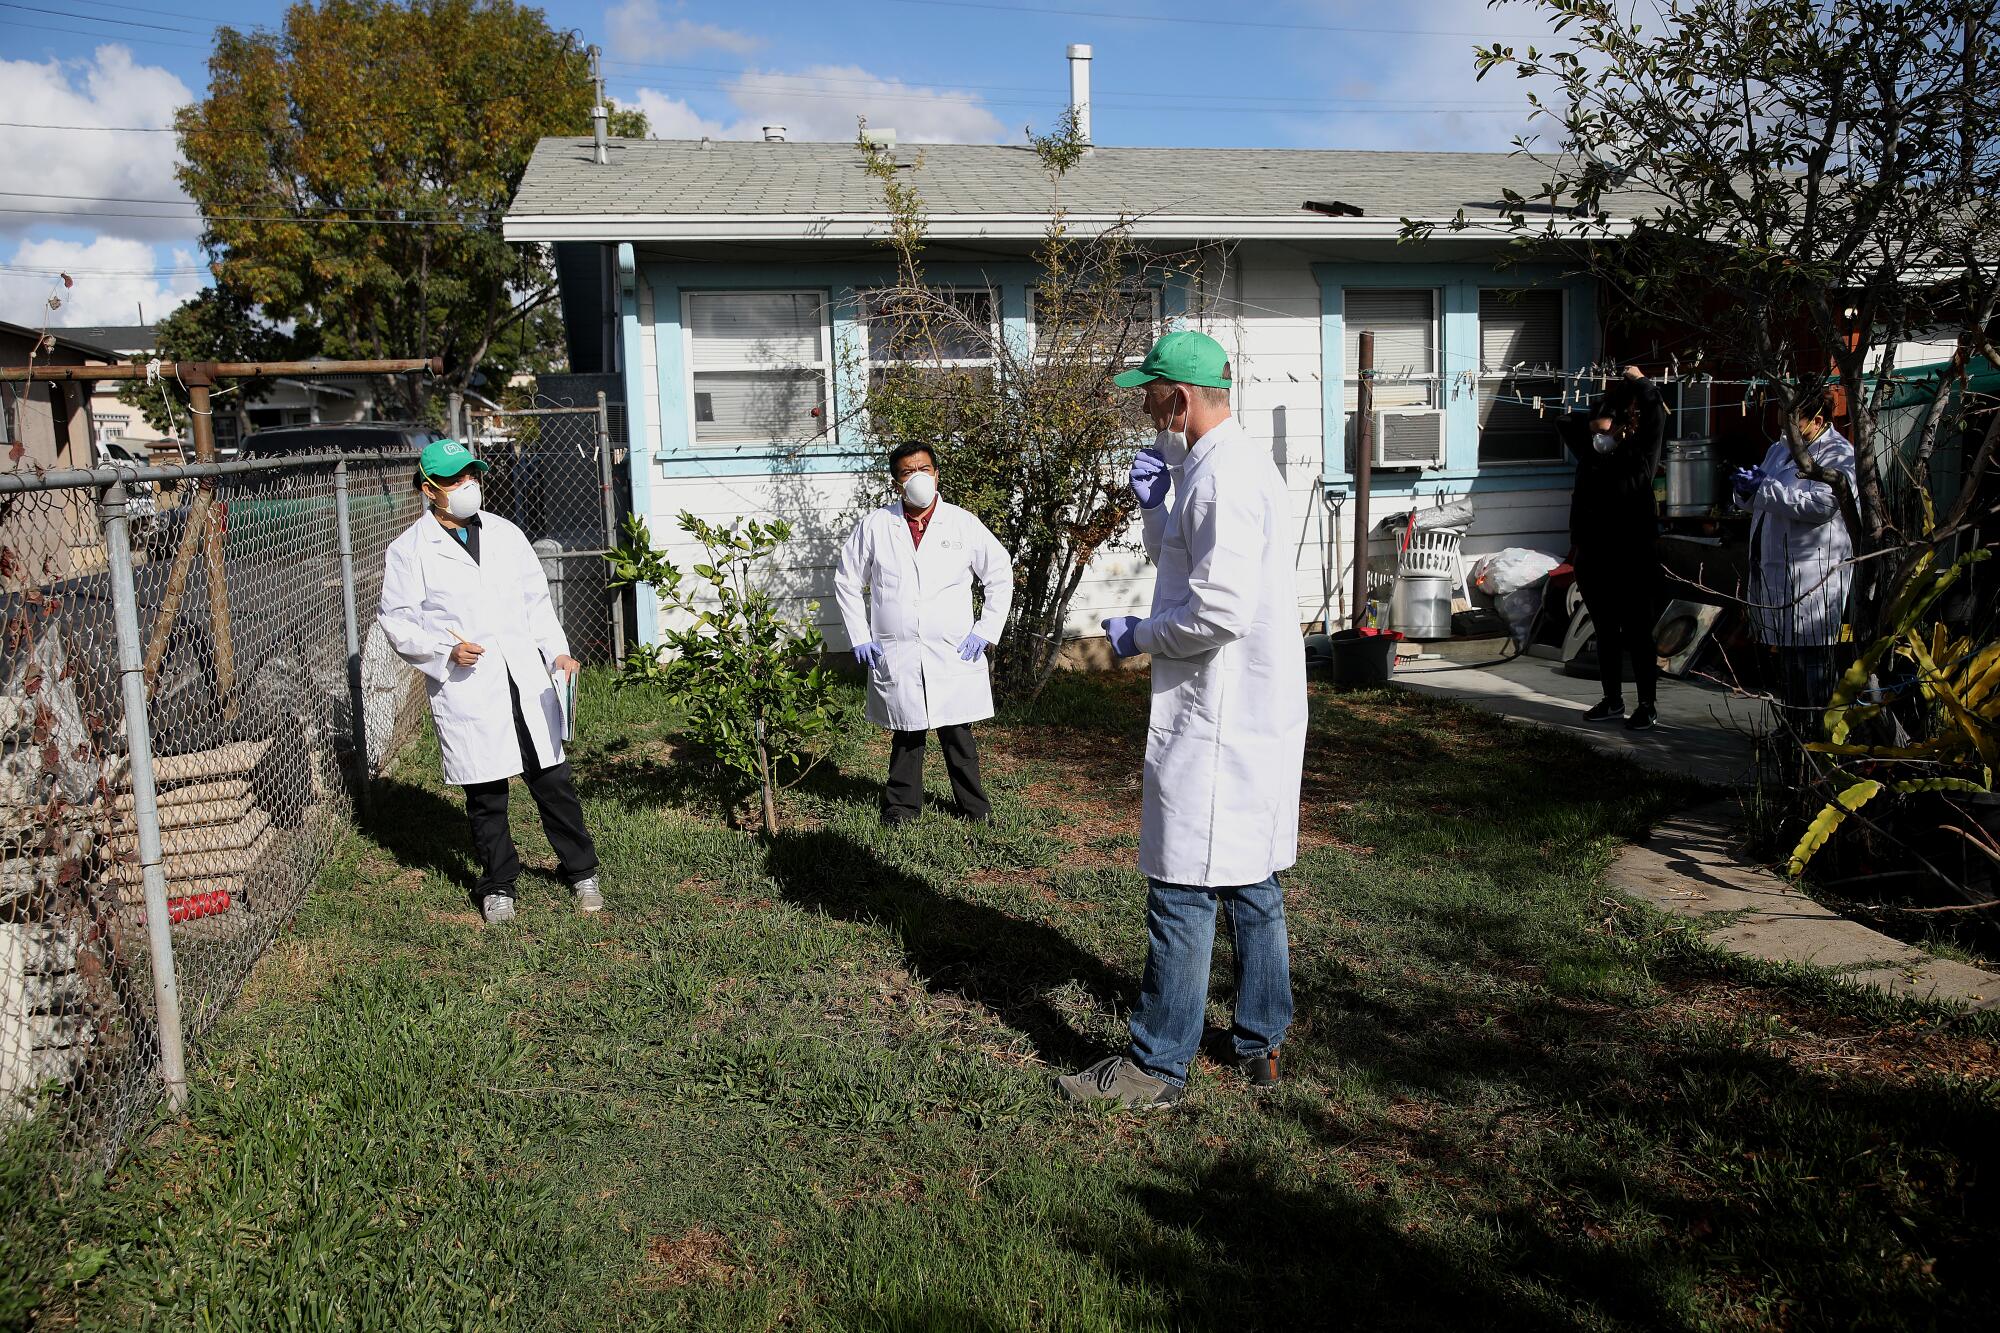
(1281, 73)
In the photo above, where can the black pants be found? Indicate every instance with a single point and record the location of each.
(903, 796)
(562, 819)
(1621, 588)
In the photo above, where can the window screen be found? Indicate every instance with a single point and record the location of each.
(1405, 327)
(760, 367)
(1520, 339)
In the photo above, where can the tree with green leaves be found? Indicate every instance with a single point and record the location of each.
(1827, 168)
(352, 169)
(745, 674)
(1032, 438)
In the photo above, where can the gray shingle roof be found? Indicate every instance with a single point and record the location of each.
(669, 176)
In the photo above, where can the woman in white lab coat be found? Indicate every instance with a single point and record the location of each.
(1800, 570)
(925, 655)
(1225, 747)
(465, 602)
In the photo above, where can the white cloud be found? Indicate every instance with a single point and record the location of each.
(823, 103)
(85, 168)
(114, 277)
(638, 31)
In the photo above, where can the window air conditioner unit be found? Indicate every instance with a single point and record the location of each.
(1409, 437)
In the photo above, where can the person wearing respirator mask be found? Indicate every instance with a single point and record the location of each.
(1225, 749)
(1613, 528)
(925, 654)
(465, 602)
(1800, 560)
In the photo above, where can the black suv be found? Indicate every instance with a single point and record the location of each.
(354, 437)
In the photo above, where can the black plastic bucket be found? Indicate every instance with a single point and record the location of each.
(1363, 659)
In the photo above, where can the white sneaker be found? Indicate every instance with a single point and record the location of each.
(498, 909)
(588, 898)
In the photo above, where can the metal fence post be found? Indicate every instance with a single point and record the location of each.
(455, 427)
(113, 515)
(615, 597)
(550, 552)
(357, 696)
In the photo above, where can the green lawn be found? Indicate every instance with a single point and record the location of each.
(808, 1085)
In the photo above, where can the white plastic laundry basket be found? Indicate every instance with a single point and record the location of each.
(1434, 552)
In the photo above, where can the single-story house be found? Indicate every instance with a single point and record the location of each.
(692, 273)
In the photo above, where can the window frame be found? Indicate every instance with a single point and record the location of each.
(825, 366)
(1558, 453)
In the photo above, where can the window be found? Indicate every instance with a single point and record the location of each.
(1405, 327)
(1519, 328)
(1074, 320)
(59, 414)
(956, 334)
(759, 368)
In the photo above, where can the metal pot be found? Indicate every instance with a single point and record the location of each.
(1690, 478)
(1421, 606)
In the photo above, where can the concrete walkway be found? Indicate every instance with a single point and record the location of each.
(1690, 866)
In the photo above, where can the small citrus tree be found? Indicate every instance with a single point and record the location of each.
(747, 675)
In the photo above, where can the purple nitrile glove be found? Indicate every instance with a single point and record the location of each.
(1747, 480)
(1119, 629)
(973, 648)
(868, 654)
(1151, 478)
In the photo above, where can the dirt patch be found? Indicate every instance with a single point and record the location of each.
(1908, 1052)
(696, 1257)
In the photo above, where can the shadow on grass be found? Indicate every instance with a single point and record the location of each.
(956, 947)
(422, 830)
(687, 777)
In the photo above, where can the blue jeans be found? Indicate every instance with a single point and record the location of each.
(1173, 997)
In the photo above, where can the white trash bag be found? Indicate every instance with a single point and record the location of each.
(1514, 579)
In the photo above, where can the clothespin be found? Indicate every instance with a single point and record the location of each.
(1538, 405)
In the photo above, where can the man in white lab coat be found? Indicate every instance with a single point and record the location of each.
(465, 602)
(1226, 743)
(1800, 562)
(924, 653)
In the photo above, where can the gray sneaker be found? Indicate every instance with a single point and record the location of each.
(1117, 1080)
(588, 897)
(498, 909)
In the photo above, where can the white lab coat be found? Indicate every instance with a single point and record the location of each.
(431, 587)
(1800, 548)
(1226, 742)
(920, 610)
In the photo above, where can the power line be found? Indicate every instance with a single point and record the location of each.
(105, 36)
(185, 202)
(236, 217)
(1221, 23)
(151, 9)
(92, 18)
(877, 82)
(1185, 106)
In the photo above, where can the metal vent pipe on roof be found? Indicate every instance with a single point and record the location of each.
(1079, 89)
(600, 115)
(774, 134)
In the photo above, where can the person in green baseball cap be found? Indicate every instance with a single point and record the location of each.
(1225, 749)
(465, 602)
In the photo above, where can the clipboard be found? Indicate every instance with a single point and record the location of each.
(566, 693)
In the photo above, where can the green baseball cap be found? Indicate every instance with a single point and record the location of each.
(444, 459)
(1184, 356)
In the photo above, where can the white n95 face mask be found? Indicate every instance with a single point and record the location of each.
(919, 490)
(1173, 447)
(1604, 444)
(463, 501)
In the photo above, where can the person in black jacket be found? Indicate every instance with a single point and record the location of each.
(1613, 524)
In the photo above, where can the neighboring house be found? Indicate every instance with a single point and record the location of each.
(285, 402)
(53, 535)
(724, 284)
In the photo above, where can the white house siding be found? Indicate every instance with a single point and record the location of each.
(1264, 305)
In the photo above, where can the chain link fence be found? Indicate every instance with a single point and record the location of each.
(191, 688)
(552, 476)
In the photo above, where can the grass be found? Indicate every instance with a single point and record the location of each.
(807, 1085)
